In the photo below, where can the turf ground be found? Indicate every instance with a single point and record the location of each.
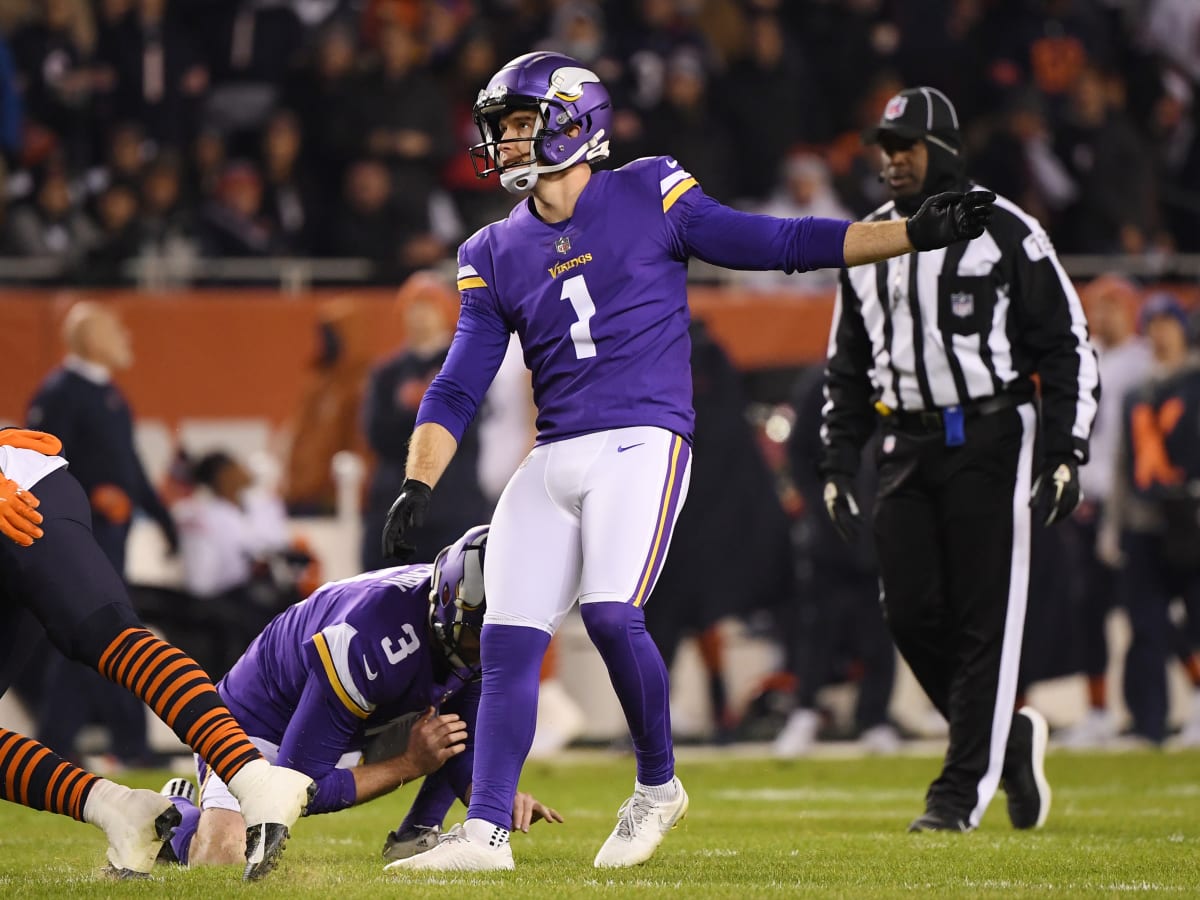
(1120, 823)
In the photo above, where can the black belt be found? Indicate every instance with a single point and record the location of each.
(928, 421)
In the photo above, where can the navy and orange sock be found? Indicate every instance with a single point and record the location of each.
(181, 694)
(33, 775)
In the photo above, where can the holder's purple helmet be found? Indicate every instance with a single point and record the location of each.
(562, 93)
(456, 600)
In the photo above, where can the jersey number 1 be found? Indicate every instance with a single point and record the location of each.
(575, 289)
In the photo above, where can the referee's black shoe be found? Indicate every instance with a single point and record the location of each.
(936, 820)
(1024, 773)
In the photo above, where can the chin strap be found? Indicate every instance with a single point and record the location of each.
(519, 181)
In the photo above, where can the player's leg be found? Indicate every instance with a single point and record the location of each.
(67, 582)
(910, 567)
(1148, 607)
(135, 821)
(987, 527)
(635, 489)
(531, 574)
(878, 655)
(1097, 594)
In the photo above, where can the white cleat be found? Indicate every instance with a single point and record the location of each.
(1190, 735)
(272, 798)
(641, 826)
(455, 852)
(136, 832)
(881, 740)
(798, 735)
(181, 788)
(1097, 729)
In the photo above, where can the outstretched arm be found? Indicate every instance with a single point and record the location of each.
(872, 242)
(942, 220)
(737, 240)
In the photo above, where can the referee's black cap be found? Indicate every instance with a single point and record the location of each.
(919, 113)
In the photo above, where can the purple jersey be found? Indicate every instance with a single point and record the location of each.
(600, 301)
(354, 656)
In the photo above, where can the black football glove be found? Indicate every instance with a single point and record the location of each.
(407, 513)
(948, 218)
(842, 507)
(1056, 491)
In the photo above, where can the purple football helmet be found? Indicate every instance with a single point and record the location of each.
(456, 601)
(563, 93)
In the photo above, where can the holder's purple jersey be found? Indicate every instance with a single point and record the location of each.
(354, 656)
(600, 300)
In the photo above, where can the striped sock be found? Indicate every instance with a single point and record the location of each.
(182, 695)
(35, 776)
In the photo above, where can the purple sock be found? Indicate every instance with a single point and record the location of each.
(433, 801)
(181, 840)
(512, 663)
(639, 677)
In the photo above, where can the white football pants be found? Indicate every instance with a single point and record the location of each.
(587, 518)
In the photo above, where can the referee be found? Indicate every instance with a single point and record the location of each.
(940, 347)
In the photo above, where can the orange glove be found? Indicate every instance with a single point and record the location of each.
(19, 519)
(112, 503)
(24, 439)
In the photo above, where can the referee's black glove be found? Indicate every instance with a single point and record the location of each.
(407, 513)
(842, 507)
(948, 218)
(1056, 491)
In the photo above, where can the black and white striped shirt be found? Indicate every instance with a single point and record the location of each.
(952, 326)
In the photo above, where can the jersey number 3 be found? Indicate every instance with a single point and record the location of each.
(404, 646)
(575, 289)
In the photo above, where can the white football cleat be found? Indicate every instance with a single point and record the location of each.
(136, 825)
(798, 734)
(882, 740)
(455, 852)
(1097, 729)
(641, 826)
(272, 798)
(1190, 735)
(181, 788)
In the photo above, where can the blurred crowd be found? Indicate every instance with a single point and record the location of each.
(170, 131)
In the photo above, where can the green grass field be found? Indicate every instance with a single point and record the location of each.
(757, 828)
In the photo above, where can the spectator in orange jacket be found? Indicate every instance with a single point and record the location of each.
(326, 420)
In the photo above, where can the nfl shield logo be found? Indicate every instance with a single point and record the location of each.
(563, 245)
(895, 107)
(962, 304)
